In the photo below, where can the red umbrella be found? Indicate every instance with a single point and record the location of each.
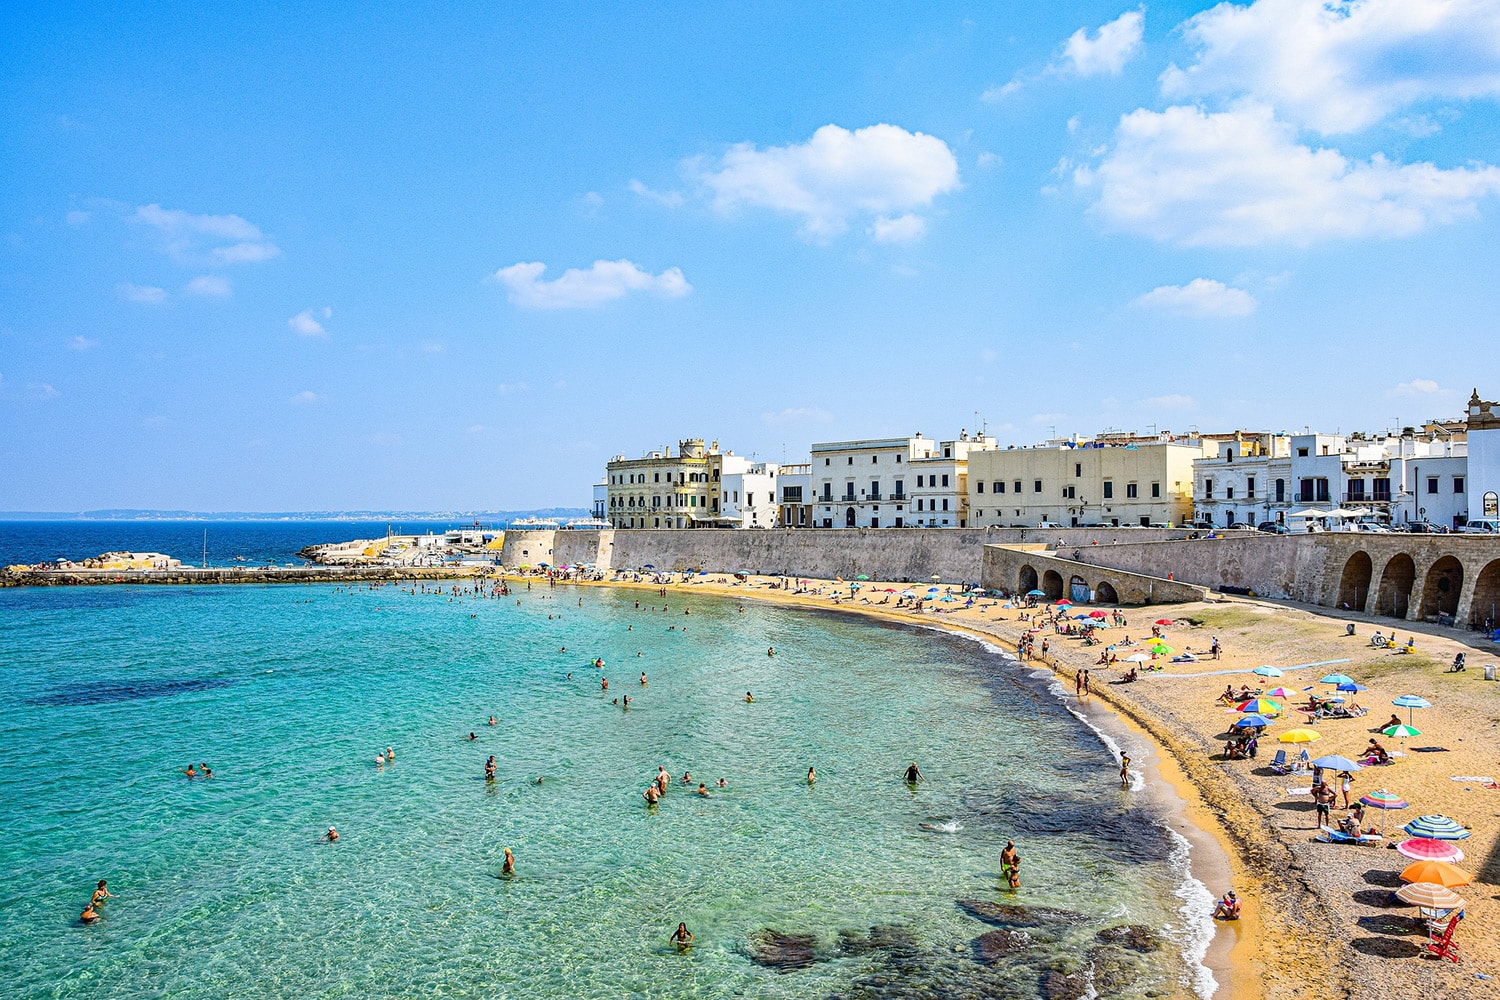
(1097, 614)
(1163, 621)
(1423, 849)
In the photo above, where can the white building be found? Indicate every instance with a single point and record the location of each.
(1484, 458)
(1246, 480)
(601, 501)
(794, 484)
(863, 484)
(747, 494)
(940, 482)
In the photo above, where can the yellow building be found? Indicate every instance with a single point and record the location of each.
(1111, 481)
(662, 489)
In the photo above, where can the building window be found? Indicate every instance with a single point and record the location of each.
(919, 481)
(1131, 491)
(1322, 491)
(945, 480)
(1382, 488)
(999, 487)
(1017, 486)
(1109, 490)
(1249, 487)
(1229, 493)
(900, 491)
(851, 459)
(1458, 484)
(1036, 486)
(920, 502)
(827, 461)
(1208, 489)
(1356, 489)
(945, 506)
(1301, 452)
(1077, 470)
(1432, 483)
(1156, 491)
(1281, 490)
(980, 485)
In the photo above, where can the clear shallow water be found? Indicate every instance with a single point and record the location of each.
(288, 693)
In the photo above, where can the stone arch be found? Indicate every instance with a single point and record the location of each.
(1396, 581)
(1104, 593)
(1484, 606)
(1079, 591)
(1026, 581)
(1052, 585)
(1441, 588)
(849, 517)
(1354, 584)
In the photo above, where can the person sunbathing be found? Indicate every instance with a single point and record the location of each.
(1228, 696)
(1228, 907)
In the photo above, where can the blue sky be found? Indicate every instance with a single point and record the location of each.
(457, 256)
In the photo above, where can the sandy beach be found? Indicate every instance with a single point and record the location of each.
(1318, 919)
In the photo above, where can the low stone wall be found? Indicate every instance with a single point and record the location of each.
(1021, 570)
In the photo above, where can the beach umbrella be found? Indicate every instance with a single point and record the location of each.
(1265, 706)
(1333, 762)
(932, 590)
(1438, 872)
(937, 578)
(1065, 603)
(1402, 731)
(1267, 671)
(1162, 649)
(1138, 658)
(1300, 736)
(1336, 679)
(908, 593)
(1036, 593)
(1253, 722)
(948, 600)
(1278, 692)
(1163, 621)
(862, 576)
(1429, 896)
(1352, 687)
(1426, 849)
(1384, 800)
(1436, 828)
(1410, 702)
(1097, 614)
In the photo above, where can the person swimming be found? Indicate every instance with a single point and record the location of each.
(749, 698)
(682, 938)
(687, 777)
(471, 736)
(190, 771)
(723, 783)
(509, 867)
(703, 790)
(101, 894)
(206, 770)
(89, 914)
(492, 720)
(332, 835)
(812, 776)
(643, 678)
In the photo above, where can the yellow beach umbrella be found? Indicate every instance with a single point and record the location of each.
(1438, 872)
(1300, 736)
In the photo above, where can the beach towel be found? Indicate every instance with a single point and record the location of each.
(1299, 791)
(1470, 777)
(1428, 750)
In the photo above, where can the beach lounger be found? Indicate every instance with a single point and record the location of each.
(1328, 835)
(1279, 764)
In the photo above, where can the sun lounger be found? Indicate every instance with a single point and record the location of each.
(1443, 946)
(1328, 835)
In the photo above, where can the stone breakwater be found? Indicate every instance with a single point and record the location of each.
(229, 575)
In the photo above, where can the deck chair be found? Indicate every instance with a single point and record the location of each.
(1279, 764)
(1301, 763)
(1443, 946)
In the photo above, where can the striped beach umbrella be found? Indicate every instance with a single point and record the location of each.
(1424, 849)
(1410, 702)
(1402, 731)
(1278, 692)
(1384, 800)
(1438, 872)
(1300, 736)
(1263, 706)
(1267, 671)
(1336, 679)
(1435, 828)
(1429, 896)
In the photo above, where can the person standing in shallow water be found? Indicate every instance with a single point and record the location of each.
(1010, 864)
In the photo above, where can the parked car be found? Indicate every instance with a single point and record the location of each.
(1273, 528)
(1424, 528)
(1482, 526)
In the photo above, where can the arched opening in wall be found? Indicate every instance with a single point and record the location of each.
(1052, 585)
(1396, 581)
(1026, 581)
(1078, 590)
(849, 518)
(1354, 585)
(1104, 593)
(1440, 591)
(1484, 609)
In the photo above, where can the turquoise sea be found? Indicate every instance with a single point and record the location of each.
(225, 890)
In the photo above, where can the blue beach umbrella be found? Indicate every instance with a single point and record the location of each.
(1336, 679)
(1333, 762)
(1410, 702)
(1351, 686)
(1267, 671)
(1253, 722)
(1435, 828)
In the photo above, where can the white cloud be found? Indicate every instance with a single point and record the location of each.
(306, 398)
(77, 217)
(507, 388)
(798, 415)
(1341, 67)
(988, 160)
(209, 286)
(476, 428)
(579, 288)
(1176, 401)
(671, 199)
(81, 343)
(41, 390)
(1240, 178)
(145, 294)
(901, 229)
(434, 347)
(306, 324)
(1107, 50)
(1202, 297)
(881, 170)
(1417, 387)
(225, 239)
(994, 95)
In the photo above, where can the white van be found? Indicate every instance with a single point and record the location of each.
(1482, 526)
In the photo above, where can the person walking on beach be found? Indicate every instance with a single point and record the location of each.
(1346, 784)
(1078, 683)
(1214, 648)
(1124, 770)
(1323, 801)
(1086, 682)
